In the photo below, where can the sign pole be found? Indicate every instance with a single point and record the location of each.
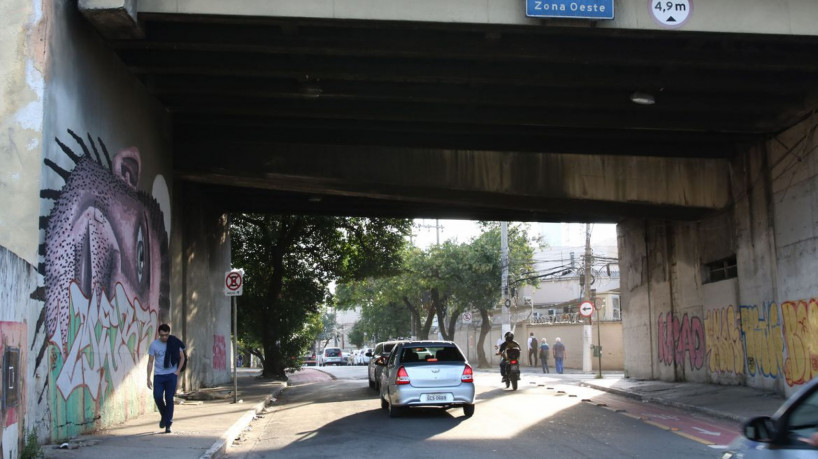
(235, 352)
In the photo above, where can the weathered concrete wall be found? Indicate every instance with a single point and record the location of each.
(202, 313)
(18, 319)
(571, 334)
(104, 228)
(758, 329)
(23, 34)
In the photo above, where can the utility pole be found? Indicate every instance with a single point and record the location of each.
(586, 328)
(504, 279)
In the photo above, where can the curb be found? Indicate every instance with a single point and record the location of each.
(219, 448)
(661, 401)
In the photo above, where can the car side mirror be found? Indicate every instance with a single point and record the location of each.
(760, 429)
(368, 354)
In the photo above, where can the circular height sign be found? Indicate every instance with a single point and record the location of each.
(586, 309)
(671, 13)
(233, 282)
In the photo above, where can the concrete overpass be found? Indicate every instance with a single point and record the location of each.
(132, 126)
(465, 108)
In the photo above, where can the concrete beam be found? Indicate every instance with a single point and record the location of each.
(786, 17)
(544, 183)
(114, 19)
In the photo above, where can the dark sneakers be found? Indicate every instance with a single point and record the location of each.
(167, 427)
(162, 424)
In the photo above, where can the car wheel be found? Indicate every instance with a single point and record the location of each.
(513, 384)
(384, 405)
(468, 410)
(395, 411)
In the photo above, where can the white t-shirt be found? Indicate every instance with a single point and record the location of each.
(158, 350)
(530, 338)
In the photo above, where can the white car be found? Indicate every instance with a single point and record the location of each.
(363, 358)
(331, 356)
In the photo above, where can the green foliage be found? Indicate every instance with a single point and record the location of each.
(32, 448)
(356, 335)
(289, 263)
(442, 281)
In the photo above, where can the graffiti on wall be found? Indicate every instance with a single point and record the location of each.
(680, 338)
(725, 350)
(763, 340)
(219, 353)
(13, 357)
(106, 271)
(800, 331)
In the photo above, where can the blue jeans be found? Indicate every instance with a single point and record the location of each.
(164, 387)
(558, 364)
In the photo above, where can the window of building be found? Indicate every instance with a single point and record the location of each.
(617, 312)
(720, 270)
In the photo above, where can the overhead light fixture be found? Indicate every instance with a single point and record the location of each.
(309, 87)
(643, 98)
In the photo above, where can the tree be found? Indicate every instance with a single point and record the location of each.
(289, 263)
(485, 269)
(444, 281)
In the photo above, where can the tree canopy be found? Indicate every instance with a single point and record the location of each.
(290, 262)
(440, 283)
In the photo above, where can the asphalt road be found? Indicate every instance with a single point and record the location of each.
(323, 417)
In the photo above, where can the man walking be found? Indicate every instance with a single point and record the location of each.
(166, 358)
(533, 349)
(544, 354)
(559, 355)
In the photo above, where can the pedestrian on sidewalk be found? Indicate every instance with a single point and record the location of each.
(544, 355)
(533, 349)
(166, 358)
(559, 355)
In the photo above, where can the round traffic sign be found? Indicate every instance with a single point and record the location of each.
(233, 281)
(671, 13)
(586, 309)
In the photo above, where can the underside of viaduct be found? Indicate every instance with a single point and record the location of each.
(138, 124)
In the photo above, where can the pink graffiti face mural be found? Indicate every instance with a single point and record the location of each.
(106, 269)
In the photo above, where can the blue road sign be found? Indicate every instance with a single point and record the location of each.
(577, 9)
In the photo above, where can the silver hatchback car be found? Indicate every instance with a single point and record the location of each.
(426, 373)
(792, 432)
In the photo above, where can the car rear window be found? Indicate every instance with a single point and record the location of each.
(332, 352)
(431, 354)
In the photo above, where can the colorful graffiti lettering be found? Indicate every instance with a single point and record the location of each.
(106, 269)
(219, 353)
(725, 349)
(678, 337)
(800, 332)
(763, 342)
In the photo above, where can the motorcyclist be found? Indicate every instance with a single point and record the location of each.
(507, 345)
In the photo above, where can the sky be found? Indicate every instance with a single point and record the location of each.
(555, 234)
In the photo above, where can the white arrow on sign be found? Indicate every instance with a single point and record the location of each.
(586, 308)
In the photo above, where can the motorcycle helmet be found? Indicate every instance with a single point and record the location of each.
(509, 337)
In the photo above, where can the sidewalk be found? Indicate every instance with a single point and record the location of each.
(206, 429)
(201, 429)
(735, 403)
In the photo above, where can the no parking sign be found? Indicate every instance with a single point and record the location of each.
(233, 282)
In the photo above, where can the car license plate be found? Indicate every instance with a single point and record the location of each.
(515, 368)
(437, 397)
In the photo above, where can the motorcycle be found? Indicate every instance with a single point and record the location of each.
(512, 368)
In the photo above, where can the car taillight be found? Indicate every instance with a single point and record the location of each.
(403, 377)
(468, 375)
(514, 362)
